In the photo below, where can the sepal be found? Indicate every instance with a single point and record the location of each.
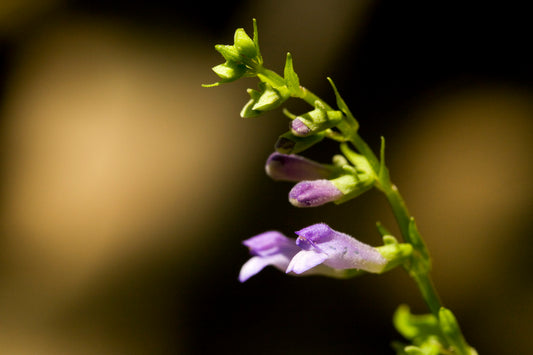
(395, 253)
(291, 78)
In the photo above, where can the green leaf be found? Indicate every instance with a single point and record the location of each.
(341, 104)
(291, 78)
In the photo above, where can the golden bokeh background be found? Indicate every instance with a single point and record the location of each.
(126, 187)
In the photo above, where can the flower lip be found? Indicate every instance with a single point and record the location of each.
(268, 248)
(268, 243)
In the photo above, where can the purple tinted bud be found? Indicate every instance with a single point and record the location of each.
(295, 168)
(269, 248)
(314, 193)
(322, 245)
(299, 128)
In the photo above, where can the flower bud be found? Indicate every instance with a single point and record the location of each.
(316, 120)
(230, 53)
(295, 168)
(244, 44)
(288, 143)
(266, 99)
(229, 71)
(314, 193)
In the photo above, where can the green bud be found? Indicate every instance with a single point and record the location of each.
(244, 44)
(248, 111)
(288, 143)
(229, 71)
(316, 120)
(452, 332)
(230, 53)
(269, 100)
(266, 99)
(412, 326)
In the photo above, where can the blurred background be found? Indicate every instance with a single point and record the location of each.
(127, 188)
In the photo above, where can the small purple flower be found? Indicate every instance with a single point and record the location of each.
(295, 168)
(314, 193)
(269, 248)
(322, 245)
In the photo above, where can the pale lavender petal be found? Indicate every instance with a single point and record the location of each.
(269, 248)
(305, 260)
(343, 251)
(314, 193)
(258, 263)
(292, 167)
(269, 243)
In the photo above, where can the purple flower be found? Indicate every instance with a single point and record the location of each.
(322, 245)
(269, 248)
(314, 193)
(295, 168)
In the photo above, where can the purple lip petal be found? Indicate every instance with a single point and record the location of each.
(268, 248)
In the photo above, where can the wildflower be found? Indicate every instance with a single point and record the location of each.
(273, 248)
(322, 245)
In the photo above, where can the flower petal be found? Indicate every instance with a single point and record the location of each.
(343, 251)
(305, 260)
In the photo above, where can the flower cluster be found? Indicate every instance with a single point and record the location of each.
(317, 183)
(317, 250)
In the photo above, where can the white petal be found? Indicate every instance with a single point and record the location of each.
(305, 260)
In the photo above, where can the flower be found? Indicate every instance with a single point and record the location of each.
(314, 193)
(322, 245)
(318, 250)
(268, 248)
(294, 167)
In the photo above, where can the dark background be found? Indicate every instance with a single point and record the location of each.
(424, 76)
